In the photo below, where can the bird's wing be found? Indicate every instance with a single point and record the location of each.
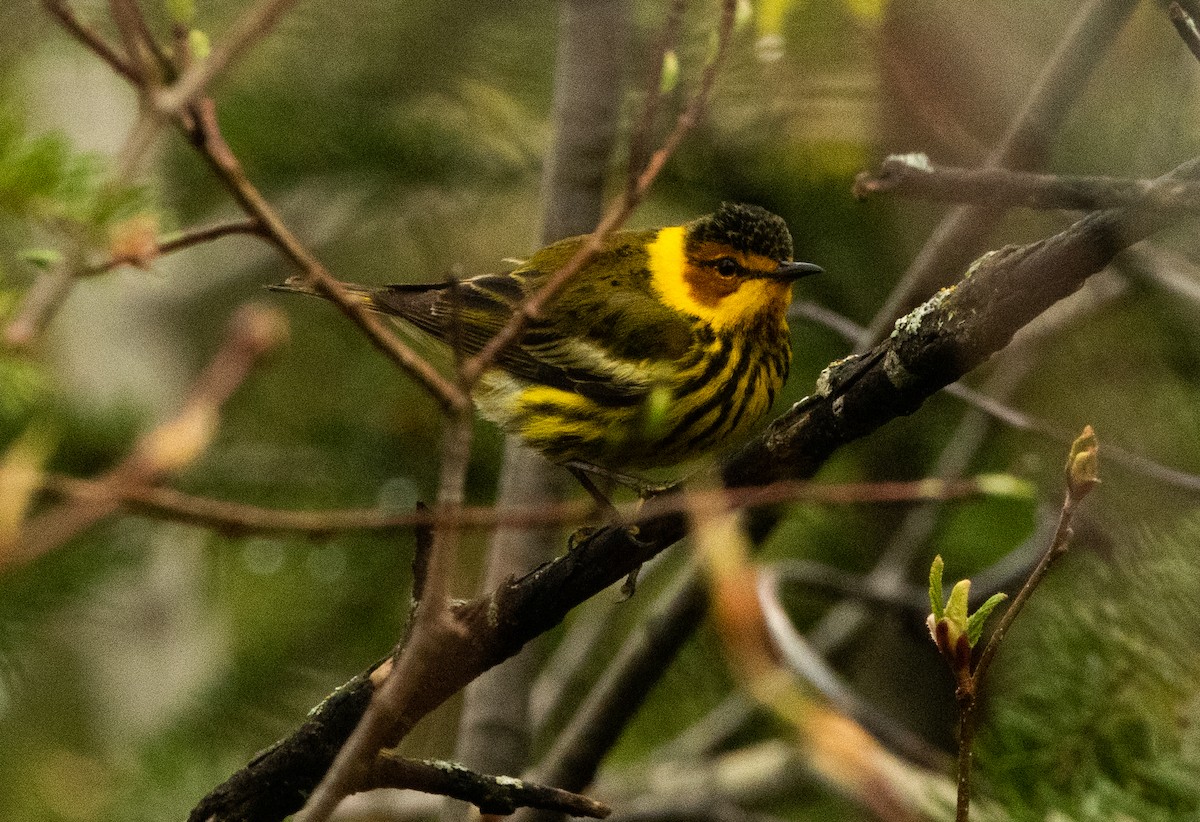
(608, 342)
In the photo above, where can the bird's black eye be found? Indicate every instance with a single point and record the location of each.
(727, 266)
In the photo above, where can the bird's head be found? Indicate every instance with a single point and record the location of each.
(728, 268)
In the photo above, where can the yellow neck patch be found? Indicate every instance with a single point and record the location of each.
(669, 274)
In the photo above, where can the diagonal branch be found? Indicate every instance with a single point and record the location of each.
(253, 332)
(203, 131)
(245, 32)
(617, 214)
(91, 39)
(962, 233)
(912, 175)
(493, 795)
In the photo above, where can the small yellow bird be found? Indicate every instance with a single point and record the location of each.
(667, 344)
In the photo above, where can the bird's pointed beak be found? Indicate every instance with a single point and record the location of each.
(790, 272)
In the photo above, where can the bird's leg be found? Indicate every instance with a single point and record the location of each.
(581, 470)
(644, 488)
(599, 497)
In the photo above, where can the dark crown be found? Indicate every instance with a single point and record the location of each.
(747, 228)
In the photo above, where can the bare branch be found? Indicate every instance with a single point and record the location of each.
(914, 176)
(187, 239)
(91, 39)
(205, 134)
(241, 519)
(390, 715)
(960, 236)
(253, 332)
(251, 27)
(38, 305)
(131, 26)
(617, 213)
(491, 794)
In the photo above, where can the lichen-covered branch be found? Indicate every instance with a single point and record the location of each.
(500, 795)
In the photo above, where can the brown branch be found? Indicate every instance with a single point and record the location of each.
(913, 176)
(639, 142)
(1185, 24)
(132, 26)
(244, 33)
(617, 213)
(495, 732)
(185, 239)
(203, 131)
(240, 519)
(253, 332)
(961, 235)
(91, 39)
(491, 794)
(421, 656)
(38, 304)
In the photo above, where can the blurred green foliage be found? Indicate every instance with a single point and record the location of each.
(1096, 708)
(143, 663)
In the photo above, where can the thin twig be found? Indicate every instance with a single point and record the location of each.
(91, 39)
(495, 731)
(914, 176)
(617, 213)
(249, 29)
(131, 26)
(393, 709)
(1082, 476)
(186, 239)
(38, 305)
(205, 134)
(639, 142)
(1058, 548)
(242, 519)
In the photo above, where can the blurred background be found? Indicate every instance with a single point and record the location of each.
(145, 661)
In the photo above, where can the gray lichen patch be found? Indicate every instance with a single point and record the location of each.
(898, 375)
(914, 321)
(833, 375)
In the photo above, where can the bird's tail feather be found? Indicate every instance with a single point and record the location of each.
(302, 285)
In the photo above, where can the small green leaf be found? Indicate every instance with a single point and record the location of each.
(669, 78)
(656, 409)
(956, 605)
(936, 602)
(975, 623)
(42, 257)
(1005, 485)
(1083, 464)
(199, 43)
